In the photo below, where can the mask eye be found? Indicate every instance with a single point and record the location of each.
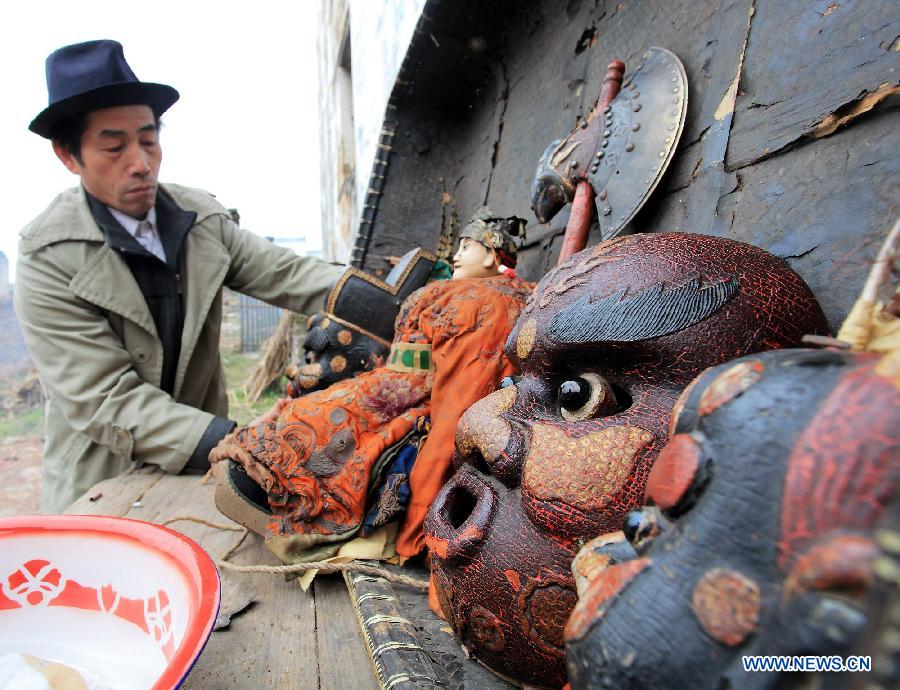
(584, 397)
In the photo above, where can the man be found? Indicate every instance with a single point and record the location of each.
(119, 284)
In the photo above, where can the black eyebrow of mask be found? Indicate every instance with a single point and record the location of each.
(648, 314)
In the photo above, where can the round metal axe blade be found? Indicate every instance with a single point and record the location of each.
(642, 129)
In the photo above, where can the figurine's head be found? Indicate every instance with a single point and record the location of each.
(353, 333)
(780, 467)
(486, 244)
(334, 350)
(605, 345)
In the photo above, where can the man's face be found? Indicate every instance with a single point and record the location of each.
(473, 260)
(120, 157)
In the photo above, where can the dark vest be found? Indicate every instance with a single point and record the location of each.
(159, 281)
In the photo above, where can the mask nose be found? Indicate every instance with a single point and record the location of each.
(458, 520)
(490, 443)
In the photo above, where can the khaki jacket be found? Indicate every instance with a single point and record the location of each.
(94, 343)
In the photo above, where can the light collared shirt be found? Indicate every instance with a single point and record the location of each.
(144, 231)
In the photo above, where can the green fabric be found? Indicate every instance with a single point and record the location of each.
(442, 270)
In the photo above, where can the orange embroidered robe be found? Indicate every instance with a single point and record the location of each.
(315, 461)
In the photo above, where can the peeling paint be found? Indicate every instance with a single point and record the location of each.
(726, 106)
(834, 121)
(437, 545)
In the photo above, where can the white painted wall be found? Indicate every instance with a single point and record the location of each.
(337, 160)
(351, 107)
(380, 32)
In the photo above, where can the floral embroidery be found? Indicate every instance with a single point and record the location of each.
(391, 397)
(316, 461)
(305, 500)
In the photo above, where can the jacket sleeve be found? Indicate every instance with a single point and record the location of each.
(276, 274)
(87, 371)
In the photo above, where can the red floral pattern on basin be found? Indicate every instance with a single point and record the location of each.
(67, 583)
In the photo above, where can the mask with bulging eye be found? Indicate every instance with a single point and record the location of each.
(561, 454)
(769, 509)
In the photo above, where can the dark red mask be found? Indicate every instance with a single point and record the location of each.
(605, 346)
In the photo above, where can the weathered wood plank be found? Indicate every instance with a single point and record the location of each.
(343, 661)
(186, 496)
(116, 496)
(806, 60)
(271, 645)
(819, 209)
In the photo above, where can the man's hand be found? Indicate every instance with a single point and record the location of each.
(272, 414)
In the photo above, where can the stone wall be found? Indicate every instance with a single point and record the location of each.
(5, 293)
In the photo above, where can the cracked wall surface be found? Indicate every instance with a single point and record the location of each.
(789, 143)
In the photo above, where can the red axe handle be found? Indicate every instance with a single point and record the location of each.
(579, 221)
(612, 82)
(583, 204)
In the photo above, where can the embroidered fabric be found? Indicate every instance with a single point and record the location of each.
(317, 460)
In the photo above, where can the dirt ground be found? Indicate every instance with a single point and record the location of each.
(20, 475)
(20, 455)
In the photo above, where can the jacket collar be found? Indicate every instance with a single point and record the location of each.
(173, 224)
(68, 217)
(117, 237)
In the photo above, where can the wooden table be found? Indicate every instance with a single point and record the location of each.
(286, 638)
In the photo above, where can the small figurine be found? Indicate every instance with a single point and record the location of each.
(303, 478)
(604, 347)
(354, 332)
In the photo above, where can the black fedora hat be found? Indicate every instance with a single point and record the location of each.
(90, 76)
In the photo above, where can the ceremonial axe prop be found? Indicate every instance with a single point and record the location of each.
(616, 156)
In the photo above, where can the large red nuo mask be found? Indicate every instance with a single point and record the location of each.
(604, 346)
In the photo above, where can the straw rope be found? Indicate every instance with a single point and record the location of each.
(323, 566)
(201, 521)
(327, 567)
